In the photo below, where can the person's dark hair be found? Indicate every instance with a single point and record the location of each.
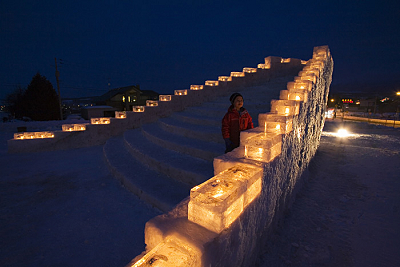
(233, 97)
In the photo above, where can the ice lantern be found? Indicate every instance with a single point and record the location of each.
(165, 97)
(285, 107)
(219, 201)
(151, 103)
(120, 114)
(211, 83)
(263, 147)
(33, 135)
(306, 77)
(100, 120)
(275, 123)
(138, 109)
(297, 95)
(309, 70)
(196, 87)
(73, 127)
(224, 78)
(263, 66)
(250, 70)
(237, 74)
(180, 92)
(302, 85)
(170, 253)
(316, 64)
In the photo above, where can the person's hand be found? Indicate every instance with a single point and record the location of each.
(228, 144)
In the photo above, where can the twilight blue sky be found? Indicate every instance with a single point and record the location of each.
(168, 45)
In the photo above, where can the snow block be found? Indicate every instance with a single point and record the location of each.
(170, 253)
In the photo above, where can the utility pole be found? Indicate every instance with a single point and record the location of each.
(58, 88)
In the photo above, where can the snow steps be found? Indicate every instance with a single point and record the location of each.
(203, 150)
(181, 167)
(201, 132)
(151, 186)
(161, 161)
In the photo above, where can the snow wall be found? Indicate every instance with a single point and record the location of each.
(227, 219)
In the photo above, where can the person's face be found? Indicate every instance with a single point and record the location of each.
(238, 103)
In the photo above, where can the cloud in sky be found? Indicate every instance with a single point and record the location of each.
(169, 45)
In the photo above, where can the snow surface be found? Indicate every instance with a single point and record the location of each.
(348, 214)
(63, 208)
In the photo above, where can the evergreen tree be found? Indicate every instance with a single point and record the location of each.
(15, 103)
(41, 100)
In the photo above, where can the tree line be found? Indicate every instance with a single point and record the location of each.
(39, 101)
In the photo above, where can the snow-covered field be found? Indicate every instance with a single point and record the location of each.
(63, 208)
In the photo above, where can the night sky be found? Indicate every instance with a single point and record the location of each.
(169, 45)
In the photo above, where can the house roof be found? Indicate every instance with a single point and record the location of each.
(117, 91)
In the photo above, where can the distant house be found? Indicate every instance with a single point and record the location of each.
(124, 98)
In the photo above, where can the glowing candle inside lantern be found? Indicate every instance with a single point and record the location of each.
(196, 87)
(120, 114)
(151, 103)
(264, 66)
(180, 92)
(297, 98)
(105, 120)
(165, 97)
(285, 60)
(287, 110)
(29, 135)
(250, 70)
(73, 127)
(224, 78)
(45, 134)
(95, 121)
(68, 127)
(138, 109)
(33, 135)
(237, 74)
(19, 136)
(211, 83)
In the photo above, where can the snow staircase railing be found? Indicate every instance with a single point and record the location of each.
(200, 231)
(100, 129)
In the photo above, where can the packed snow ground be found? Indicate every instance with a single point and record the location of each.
(63, 208)
(348, 214)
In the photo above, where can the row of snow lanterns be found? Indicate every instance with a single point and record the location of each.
(33, 135)
(152, 103)
(219, 201)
